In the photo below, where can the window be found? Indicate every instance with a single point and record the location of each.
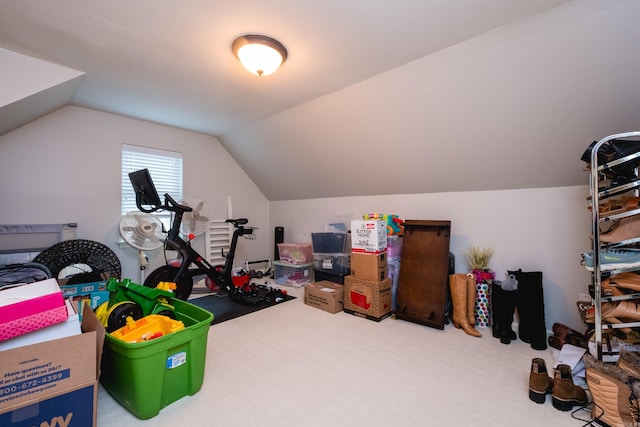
(166, 171)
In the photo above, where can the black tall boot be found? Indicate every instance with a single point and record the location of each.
(530, 304)
(509, 299)
(496, 308)
(503, 304)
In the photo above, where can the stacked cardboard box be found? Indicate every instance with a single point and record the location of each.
(367, 291)
(53, 382)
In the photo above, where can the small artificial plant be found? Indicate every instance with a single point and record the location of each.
(478, 260)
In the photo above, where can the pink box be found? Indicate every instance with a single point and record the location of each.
(30, 307)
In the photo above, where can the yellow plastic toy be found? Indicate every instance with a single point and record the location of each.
(147, 328)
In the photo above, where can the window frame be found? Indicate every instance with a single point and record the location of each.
(166, 169)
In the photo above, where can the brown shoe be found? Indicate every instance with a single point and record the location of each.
(566, 394)
(540, 383)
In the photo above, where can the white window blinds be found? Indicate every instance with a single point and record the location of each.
(165, 168)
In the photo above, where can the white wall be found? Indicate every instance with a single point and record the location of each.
(535, 229)
(65, 167)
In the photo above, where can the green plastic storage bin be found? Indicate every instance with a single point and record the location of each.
(145, 377)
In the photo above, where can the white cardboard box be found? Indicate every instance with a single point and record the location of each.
(368, 236)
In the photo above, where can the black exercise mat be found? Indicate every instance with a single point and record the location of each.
(224, 308)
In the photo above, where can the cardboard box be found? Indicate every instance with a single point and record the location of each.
(369, 266)
(366, 298)
(368, 236)
(30, 307)
(94, 292)
(324, 295)
(53, 382)
(74, 407)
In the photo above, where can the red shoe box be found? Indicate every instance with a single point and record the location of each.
(366, 298)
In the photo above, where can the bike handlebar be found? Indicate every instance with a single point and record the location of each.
(172, 205)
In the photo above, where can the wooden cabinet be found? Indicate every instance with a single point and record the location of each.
(424, 273)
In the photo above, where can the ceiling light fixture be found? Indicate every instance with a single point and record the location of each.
(260, 55)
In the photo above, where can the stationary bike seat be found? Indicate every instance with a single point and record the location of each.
(237, 222)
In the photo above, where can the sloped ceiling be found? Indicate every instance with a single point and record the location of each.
(376, 97)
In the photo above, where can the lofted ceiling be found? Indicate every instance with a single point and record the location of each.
(376, 97)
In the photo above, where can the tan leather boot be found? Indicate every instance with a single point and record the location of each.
(540, 383)
(626, 311)
(626, 228)
(566, 394)
(627, 280)
(471, 298)
(458, 287)
(613, 392)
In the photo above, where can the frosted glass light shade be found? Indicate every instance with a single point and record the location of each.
(260, 55)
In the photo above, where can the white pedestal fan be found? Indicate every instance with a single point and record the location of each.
(141, 231)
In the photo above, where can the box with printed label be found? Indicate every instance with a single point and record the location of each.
(369, 266)
(367, 298)
(29, 307)
(70, 408)
(368, 236)
(324, 295)
(44, 376)
(94, 292)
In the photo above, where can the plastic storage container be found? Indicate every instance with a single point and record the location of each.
(145, 377)
(329, 242)
(337, 263)
(394, 247)
(295, 275)
(295, 253)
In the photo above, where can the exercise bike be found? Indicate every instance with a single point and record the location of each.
(183, 274)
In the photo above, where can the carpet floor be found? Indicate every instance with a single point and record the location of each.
(295, 365)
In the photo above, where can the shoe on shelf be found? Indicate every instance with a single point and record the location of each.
(540, 383)
(627, 280)
(613, 150)
(624, 229)
(618, 206)
(613, 259)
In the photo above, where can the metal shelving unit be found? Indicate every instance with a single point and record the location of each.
(598, 193)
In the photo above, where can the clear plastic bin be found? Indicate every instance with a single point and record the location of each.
(295, 275)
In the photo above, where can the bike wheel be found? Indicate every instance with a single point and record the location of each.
(166, 273)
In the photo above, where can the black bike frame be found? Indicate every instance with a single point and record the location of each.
(221, 277)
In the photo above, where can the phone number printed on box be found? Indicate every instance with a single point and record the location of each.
(34, 382)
